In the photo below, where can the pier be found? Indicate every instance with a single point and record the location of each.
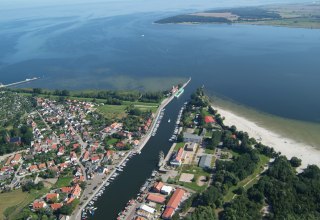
(20, 82)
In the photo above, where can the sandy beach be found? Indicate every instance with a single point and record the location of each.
(287, 147)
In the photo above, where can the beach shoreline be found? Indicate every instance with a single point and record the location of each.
(286, 146)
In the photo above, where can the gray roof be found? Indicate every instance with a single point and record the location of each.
(205, 161)
(191, 136)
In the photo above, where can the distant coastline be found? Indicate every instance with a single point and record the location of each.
(291, 15)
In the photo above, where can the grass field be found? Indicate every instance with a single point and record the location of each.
(112, 111)
(119, 111)
(63, 181)
(12, 203)
(197, 171)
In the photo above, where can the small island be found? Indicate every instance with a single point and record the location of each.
(291, 15)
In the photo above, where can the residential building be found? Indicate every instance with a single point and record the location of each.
(177, 158)
(188, 137)
(205, 161)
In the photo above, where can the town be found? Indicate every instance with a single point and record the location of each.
(74, 152)
(79, 146)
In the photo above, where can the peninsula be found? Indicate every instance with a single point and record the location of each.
(291, 15)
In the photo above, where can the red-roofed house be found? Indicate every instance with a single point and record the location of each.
(56, 206)
(157, 186)
(209, 119)
(54, 146)
(76, 192)
(66, 189)
(85, 156)
(156, 198)
(178, 158)
(42, 166)
(16, 159)
(33, 168)
(173, 203)
(39, 205)
(52, 196)
(168, 213)
(136, 142)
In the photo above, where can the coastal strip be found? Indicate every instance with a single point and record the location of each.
(287, 147)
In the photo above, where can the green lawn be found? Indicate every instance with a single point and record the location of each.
(12, 203)
(263, 161)
(208, 133)
(63, 181)
(209, 151)
(179, 145)
(112, 111)
(112, 141)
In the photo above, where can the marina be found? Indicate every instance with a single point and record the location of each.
(114, 201)
(89, 208)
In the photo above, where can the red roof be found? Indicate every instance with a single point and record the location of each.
(33, 168)
(66, 189)
(120, 144)
(17, 157)
(56, 206)
(95, 158)
(76, 191)
(157, 186)
(168, 213)
(42, 166)
(209, 119)
(156, 198)
(179, 154)
(86, 155)
(175, 199)
(38, 205)
(51, 196)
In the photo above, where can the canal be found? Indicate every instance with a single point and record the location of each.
(139, 168)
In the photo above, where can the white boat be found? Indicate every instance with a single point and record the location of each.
(169, 120)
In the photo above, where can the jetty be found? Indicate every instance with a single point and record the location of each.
(18, 83)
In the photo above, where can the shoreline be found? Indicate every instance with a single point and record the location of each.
(286, 146)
